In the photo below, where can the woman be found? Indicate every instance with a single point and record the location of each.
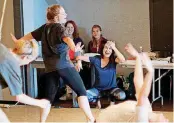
(95, 44)
(55, 47)
(105, 72)
(10, 62)
(142, 87)
(71, 31)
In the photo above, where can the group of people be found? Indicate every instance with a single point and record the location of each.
(56, 45)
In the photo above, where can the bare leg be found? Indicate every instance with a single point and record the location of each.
(31, 101)
(145, 90)
(84, 105)
(3, 117)
(43, 103)
(138, 73)
(44, 113)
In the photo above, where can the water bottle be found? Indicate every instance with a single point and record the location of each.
(141, 49)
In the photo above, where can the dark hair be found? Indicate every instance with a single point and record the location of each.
(75, 33)
(112, 56)
(53, 11)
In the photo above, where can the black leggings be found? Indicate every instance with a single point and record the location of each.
(70, 77)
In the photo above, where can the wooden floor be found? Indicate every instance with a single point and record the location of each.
(23, 113)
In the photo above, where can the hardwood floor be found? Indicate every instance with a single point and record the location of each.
(23, 113)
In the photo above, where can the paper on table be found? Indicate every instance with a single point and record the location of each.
(153, 62)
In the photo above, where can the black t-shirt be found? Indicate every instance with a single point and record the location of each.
(51, 59)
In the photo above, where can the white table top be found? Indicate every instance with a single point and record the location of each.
(158, 64)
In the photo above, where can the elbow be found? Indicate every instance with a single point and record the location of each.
(122, 60)
(77, 58)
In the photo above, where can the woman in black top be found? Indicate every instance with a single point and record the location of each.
(55, 47)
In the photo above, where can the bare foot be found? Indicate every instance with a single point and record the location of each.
(131, 50)
(44, 103)
(147, 62)
(44, 113)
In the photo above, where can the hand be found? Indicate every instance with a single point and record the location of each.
(13, 38)
(78, 47)
(78, 66)
(112, 44)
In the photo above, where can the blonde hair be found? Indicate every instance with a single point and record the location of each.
(53, 11)
(20, 44)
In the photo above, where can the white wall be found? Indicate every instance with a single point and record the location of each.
(34, 12)
(8, 25)
(121, 20)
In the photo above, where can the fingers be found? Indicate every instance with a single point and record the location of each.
(13, 37)
(82, 46)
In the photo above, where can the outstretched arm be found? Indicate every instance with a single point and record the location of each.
(70, 43)
(28, 37)
(83, 58)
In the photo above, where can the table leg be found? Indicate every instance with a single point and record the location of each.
(32, 87)
(159, 87)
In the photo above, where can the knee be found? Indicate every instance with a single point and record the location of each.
(81, 93)
(18, 97)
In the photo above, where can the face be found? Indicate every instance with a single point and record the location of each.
(27, 48)
(62, 16)
(69, 29)
(96, 33)
(107, 50)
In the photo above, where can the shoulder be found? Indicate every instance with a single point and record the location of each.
(42, 27)
(90, 42)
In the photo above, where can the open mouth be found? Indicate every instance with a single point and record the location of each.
(107, 53)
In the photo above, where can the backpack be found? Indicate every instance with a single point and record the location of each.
(127, 85)
(130, 92)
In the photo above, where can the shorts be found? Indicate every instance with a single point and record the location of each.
(11, 73)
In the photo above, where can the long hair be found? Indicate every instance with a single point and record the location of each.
(112, 56)
(76, 32)
(93, 38)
